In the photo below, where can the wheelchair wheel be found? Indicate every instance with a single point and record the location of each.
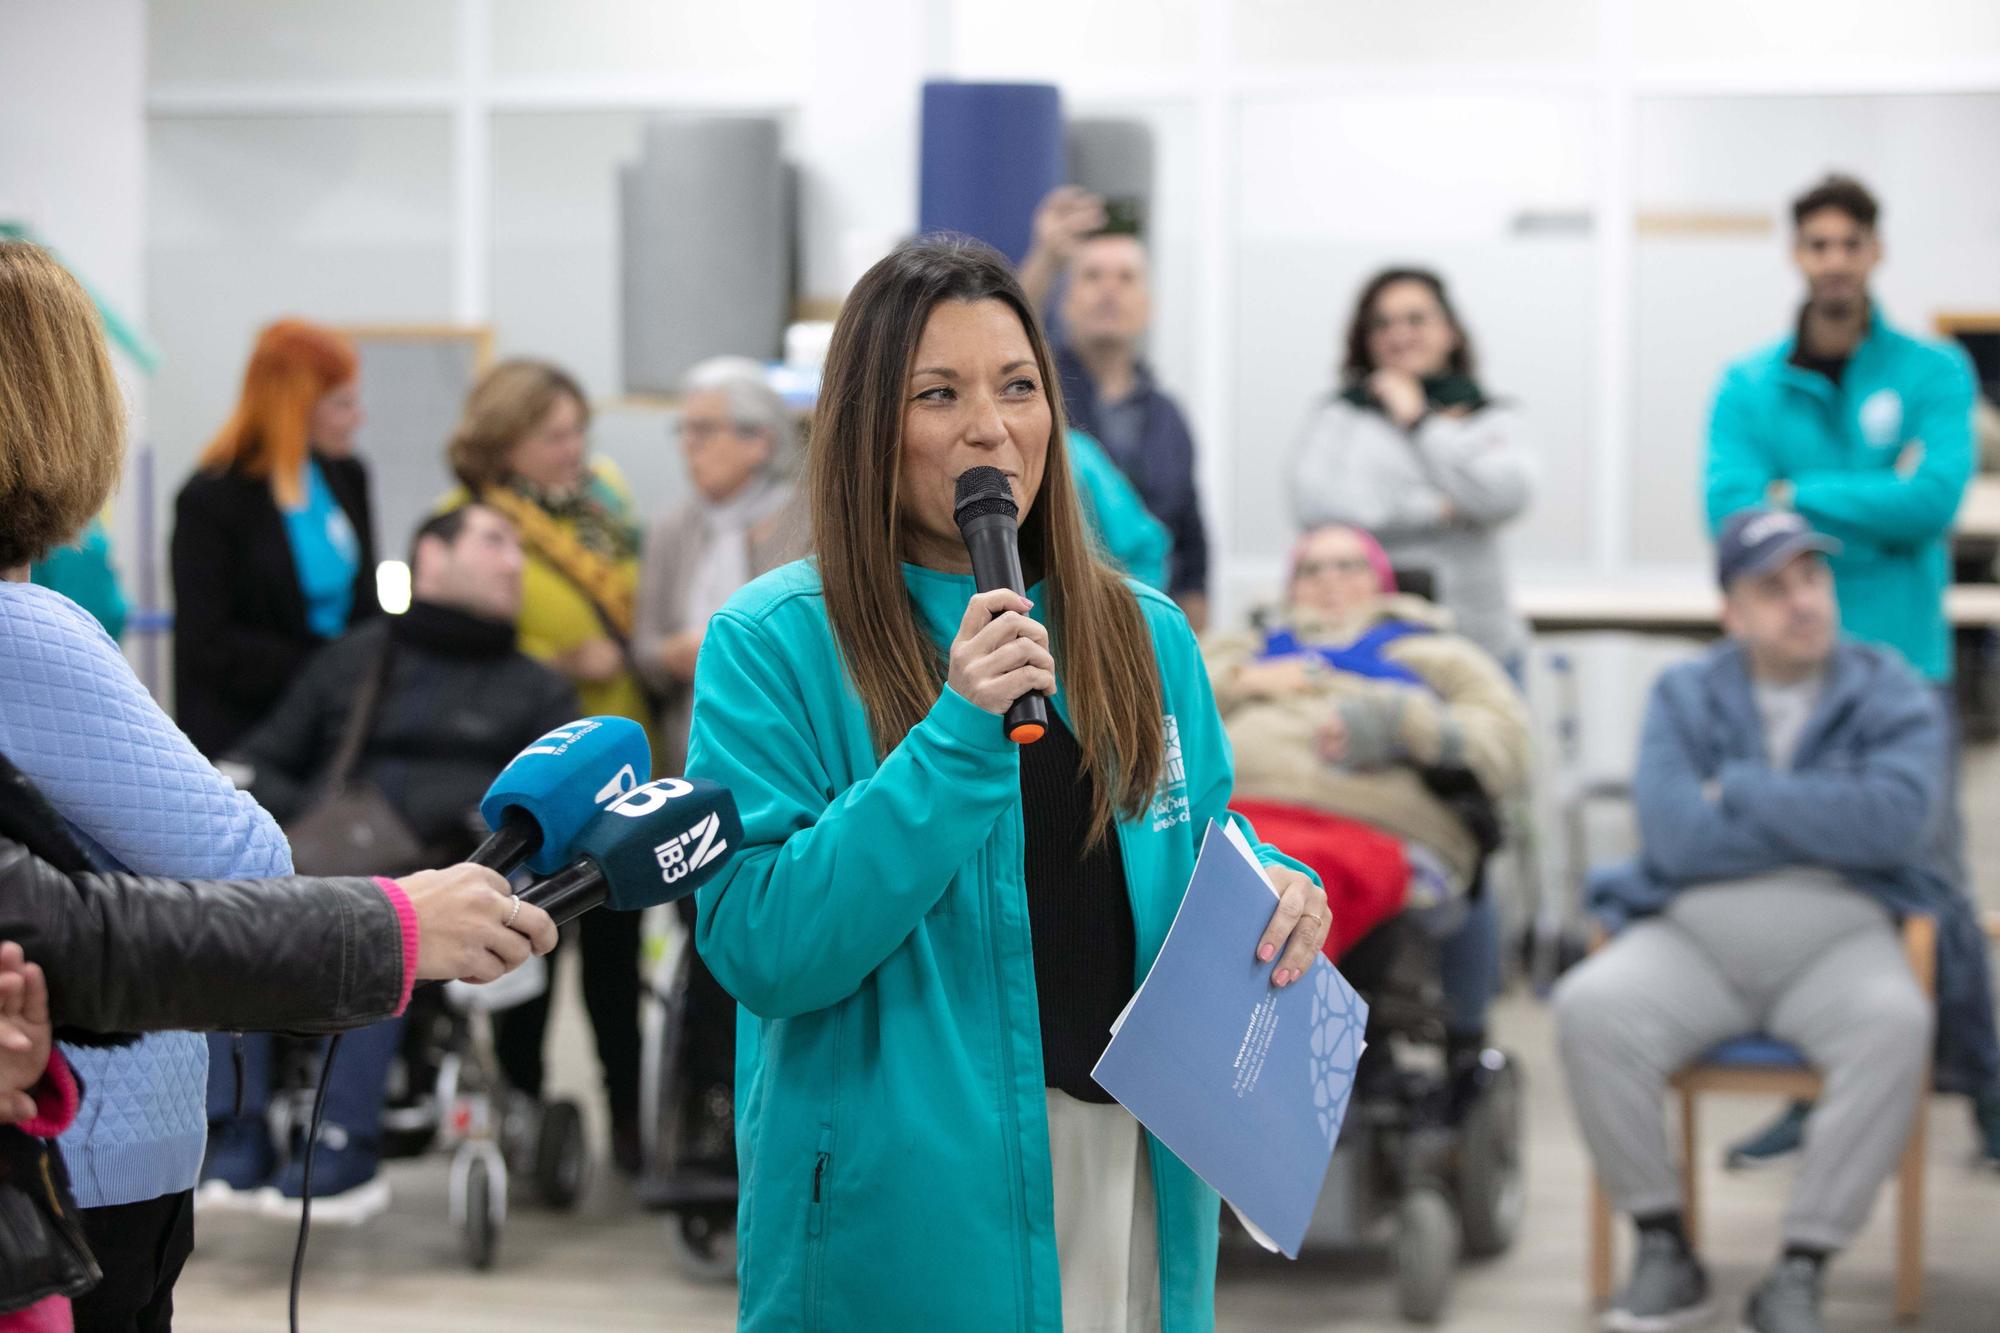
(1492, 1184)
(562, 1157)
(703, 1245)
(1426, 1254)
(482, 1231)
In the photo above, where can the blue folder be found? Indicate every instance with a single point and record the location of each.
(1246, 1083)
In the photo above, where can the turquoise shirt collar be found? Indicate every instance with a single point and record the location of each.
(940, 600)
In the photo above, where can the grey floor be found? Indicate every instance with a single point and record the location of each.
(607, 1267)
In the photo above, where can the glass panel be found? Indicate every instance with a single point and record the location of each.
(338, 219)
(555, 239)
(260, 42)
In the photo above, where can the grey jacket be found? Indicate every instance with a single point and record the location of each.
(1865, 783)
(1355, 466)
(674, 548)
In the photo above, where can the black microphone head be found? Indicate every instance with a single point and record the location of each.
(981, 491)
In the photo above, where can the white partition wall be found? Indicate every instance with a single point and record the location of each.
(452, 160)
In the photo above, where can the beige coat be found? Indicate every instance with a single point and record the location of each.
(1471, 716)
(674, 549)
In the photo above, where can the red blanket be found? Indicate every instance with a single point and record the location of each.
(1365, 871)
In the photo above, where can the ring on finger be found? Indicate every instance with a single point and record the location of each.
(515, 914)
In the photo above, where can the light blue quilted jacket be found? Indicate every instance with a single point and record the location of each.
(76, 720)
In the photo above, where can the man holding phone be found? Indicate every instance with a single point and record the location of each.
(1092, 246)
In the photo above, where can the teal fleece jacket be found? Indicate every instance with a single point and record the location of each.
(892, 1128)
(1879, 461)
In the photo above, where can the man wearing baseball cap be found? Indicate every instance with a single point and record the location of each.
(1784, 785)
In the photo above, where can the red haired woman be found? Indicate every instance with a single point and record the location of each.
(273, 552)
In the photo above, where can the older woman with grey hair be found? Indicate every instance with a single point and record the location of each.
(741, 443)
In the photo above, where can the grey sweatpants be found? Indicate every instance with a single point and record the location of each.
(1800, 957)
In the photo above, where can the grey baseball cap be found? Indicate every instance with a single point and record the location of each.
(1758, 541)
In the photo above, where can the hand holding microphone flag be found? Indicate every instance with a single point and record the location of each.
(572, 809)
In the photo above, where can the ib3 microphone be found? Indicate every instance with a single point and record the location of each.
(989, 520)
(655, 844)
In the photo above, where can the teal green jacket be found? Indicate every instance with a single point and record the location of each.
(1840, 447)
(1132, 539)
(83, 572)
(891, 1117)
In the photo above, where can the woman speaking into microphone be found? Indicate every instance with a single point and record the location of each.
(930, 927)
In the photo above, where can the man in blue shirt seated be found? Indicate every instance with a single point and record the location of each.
(1785, 784)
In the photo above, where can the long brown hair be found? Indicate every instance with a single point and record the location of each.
(294, 364)
(62, 418)
(1103, 650)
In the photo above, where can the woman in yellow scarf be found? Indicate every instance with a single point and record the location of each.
(522, 447)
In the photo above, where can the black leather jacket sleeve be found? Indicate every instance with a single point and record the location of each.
(136, 953)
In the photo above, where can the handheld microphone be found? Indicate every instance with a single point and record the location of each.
(552, 789)
(655, 844)
(989, 520)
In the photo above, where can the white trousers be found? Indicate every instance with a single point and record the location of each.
(1107, 1234)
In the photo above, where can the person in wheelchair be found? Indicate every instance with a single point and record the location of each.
(457, 703)
(1784, 786)
(1378, 744)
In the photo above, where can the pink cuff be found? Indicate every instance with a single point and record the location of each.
(406, 916)
(48, 1316)
(56, 1097)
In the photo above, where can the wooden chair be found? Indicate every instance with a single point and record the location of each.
(1758, 1064)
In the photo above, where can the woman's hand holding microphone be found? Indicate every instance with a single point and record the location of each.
(1000, 654)
(470, 926)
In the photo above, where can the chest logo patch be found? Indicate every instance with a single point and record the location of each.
(1881, 418)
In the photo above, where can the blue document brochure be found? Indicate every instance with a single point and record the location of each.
(1246, 1083)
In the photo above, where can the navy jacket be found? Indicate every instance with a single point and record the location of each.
(1162, 468)
(1862, 790)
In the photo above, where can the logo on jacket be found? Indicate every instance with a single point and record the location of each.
(1170, 807)
(1882, 418)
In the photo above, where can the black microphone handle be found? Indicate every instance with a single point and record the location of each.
(570, 892)
(994, 543)
(508, 846)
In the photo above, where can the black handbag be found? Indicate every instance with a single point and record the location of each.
(43, 1251)
(351, 828)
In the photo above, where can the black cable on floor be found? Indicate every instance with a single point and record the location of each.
(306, 1204)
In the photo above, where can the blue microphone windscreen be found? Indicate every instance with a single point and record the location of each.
(565, 777)
(662, 842)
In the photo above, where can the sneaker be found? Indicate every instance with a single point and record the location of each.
(1787, 1301)
(240, 1158)
(347, 1186)
(1773, 1143)
(1668, 1290)
(1986, 1124)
